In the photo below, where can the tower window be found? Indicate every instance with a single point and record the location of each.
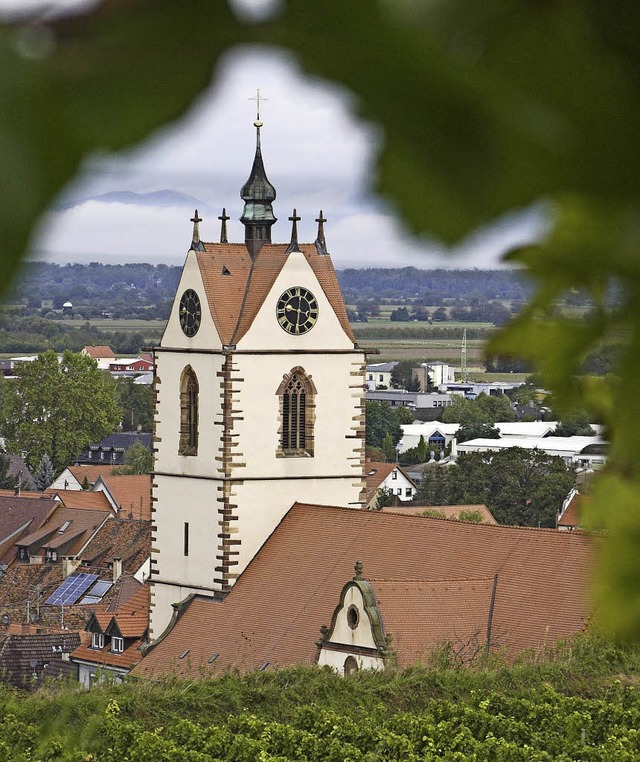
(186, 538)
(297, 406)
(188, 412)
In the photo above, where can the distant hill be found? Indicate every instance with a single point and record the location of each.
(161, 198)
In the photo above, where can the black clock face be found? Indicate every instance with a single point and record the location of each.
(190, 313)
(297, 310)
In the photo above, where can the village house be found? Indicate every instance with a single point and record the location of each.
(387, 478)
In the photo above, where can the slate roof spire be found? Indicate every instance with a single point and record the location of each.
(258, 194)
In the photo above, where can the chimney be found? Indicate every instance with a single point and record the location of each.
(69, 565)
(117, 569)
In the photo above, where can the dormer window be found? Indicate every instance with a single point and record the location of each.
(97, 640)
(117, 644)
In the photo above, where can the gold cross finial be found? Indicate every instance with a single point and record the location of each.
(258, 99)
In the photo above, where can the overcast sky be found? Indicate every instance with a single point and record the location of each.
(316, 153)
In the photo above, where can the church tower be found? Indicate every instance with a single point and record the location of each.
(259, 401)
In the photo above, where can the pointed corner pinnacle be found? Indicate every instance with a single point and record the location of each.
(321, 244)
(223, 227)
(293, 245)
(196, 243)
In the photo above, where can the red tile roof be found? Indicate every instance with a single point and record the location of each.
(376, 473)
(131, 621)
(81, 499)
(422, 614)
(99, 352)
(572, 517)
(91, 472)
(132, 493)
(292, 586)
(447, 511)
(233, 312)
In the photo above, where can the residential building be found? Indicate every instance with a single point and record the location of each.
(389, 477)
(415, 401)
(379, 375)
(436, 372)
(115, 639)
(111, 450)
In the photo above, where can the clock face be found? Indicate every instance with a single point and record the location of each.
(190, 313)
(297, 310)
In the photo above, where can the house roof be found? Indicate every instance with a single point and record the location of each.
(236, 287)
(131, 493)
(18, 517)
(448, 511)
(82, 500)
(99, 352)
(292, 586)
(132, 621)
(572, 515)
(91, 472)
(122, 440)
(376, 474)
(18, 651)
(126, 539)
(82, 523)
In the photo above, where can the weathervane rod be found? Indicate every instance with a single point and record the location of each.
(258, 98)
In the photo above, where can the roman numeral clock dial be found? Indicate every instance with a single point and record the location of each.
(297, 310)
(190, 313)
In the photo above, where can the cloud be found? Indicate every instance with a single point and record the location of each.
(317, 153)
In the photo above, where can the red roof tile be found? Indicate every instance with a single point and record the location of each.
(236, 287)
(132, 493)
(292, 586)
(82, 499)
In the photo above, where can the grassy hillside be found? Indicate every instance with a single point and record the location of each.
(581, 702)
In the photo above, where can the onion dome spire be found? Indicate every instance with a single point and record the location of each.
(293, 245)
(223, 227)
(258, 194)
(196, 243)
(321, 244)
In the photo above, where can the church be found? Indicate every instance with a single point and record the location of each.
(262, 552)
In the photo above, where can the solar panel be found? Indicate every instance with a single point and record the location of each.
(90, 599)
(100, 588)
(71, 589)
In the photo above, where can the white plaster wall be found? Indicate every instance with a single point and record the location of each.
(262, 505)
(336, 405)
(362, 635)
(336, 660)
(207, 336)
(266, 332)
(193, 501)
(167, 423)
(400, 482)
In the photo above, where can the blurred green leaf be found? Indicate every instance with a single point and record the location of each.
(94, 82)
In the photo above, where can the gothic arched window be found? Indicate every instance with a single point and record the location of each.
(297, 408)
(188, 412)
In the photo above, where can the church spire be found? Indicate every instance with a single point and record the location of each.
(196, 243)
(258, 195)
(293, 245)
(223, 227)
(321, 244)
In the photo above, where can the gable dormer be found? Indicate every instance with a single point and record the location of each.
(356, 638)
